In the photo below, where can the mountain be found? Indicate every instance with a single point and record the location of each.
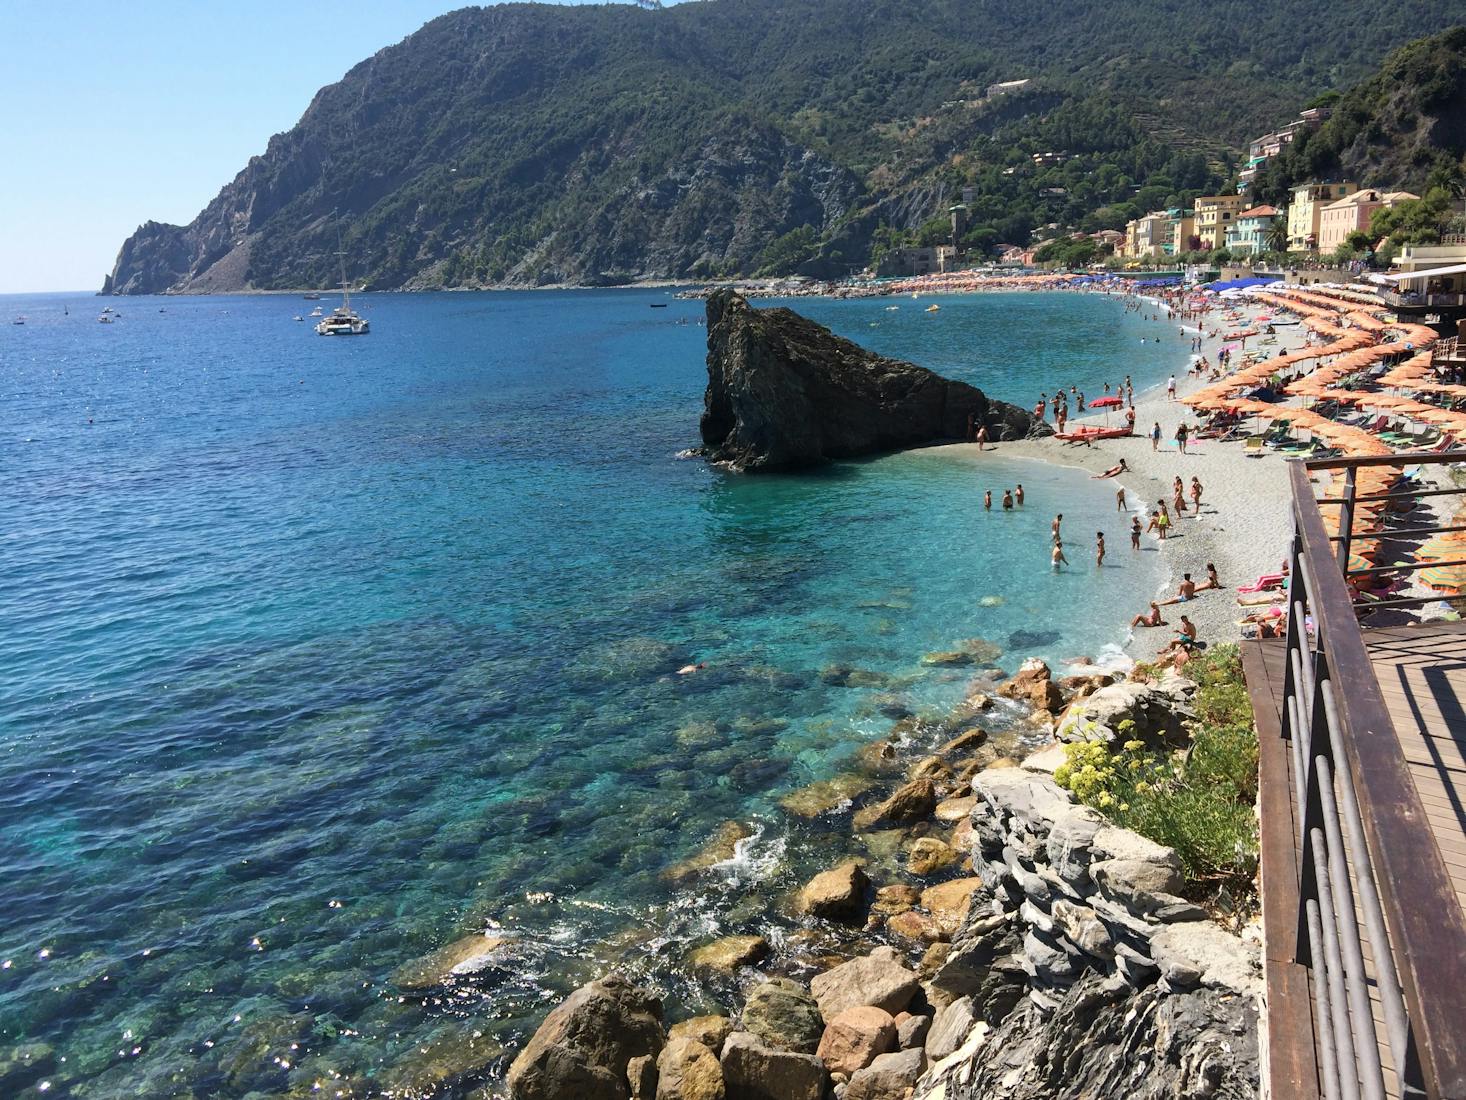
(525, 144)
(1389, 131)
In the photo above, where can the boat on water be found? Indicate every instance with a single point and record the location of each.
(933, 309)
(19, 320)
(318, 312)
(658, 305)
(311, 296)
(106, 319)
(298, 317)
(343, 320)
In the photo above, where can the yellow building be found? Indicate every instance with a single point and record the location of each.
(1305, 212)
(1147, 237)
(1214, 214)
(1183, 233)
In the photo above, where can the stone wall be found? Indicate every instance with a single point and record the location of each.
(1080, 970)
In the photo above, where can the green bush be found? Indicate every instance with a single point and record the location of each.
(1200, 800)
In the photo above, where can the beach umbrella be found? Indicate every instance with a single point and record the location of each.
(1444, 578)
(1108, 402)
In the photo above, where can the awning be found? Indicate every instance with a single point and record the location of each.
(1411, 276)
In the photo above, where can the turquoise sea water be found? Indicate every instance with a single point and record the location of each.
(319, 654)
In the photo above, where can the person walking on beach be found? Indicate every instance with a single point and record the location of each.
(1171, 388)
(982, 437)
(1018, 494)
(987, 501)
(1058, 558)
(1178, 497)
(1130, 419)
(1155, 436)
(1196, 496)
(1099, 549)
(1135, 532)
(1163, 520)
(1182, 432)
(1007, 500)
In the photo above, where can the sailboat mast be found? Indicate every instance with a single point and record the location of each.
(341, 251)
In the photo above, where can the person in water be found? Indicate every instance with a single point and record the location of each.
(1135, 532)
(987, 501)
(1151, 619)
(1018, 494)
(1099, 549)
(1056, 525)
(1007, 500)
(1120, 505)
(1058, 558)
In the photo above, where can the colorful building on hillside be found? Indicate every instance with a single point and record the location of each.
(1148, 238)
(1247, 235)
(1263, 149)
(1352, 214)
(1306, 210)
(1183, 232)
(1214, 216)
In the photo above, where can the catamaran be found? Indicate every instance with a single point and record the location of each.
(343, 320)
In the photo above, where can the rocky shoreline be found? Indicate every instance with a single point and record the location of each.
(1025, 948)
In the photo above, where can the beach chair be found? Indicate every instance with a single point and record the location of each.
(1253, 447)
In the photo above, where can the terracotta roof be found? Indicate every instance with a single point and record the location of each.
(1259, 212)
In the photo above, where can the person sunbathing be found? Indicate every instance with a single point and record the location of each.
(1212, 580)
(1185, 591)
(1153, 619)
(1114, 471)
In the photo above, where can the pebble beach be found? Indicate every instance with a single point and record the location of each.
(1244, 524)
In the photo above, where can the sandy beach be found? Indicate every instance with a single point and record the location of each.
(1244, 524)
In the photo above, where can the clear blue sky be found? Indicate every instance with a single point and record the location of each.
(115, 114)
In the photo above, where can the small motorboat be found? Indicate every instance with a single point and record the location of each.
(317, 312)
(18, 321)
(298, 317)
(658, 305)
(105, 319)
(933, 308)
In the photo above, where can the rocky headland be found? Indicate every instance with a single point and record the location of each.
(784, 393)
(1025, 948)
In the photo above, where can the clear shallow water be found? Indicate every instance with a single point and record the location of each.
(319, 654)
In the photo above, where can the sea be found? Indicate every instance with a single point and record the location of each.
(319, 654)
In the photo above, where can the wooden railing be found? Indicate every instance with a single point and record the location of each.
(1369, 872)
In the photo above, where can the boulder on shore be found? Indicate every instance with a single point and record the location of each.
(781, 1013)
(877, 980)
(784, 392)
(583, 1047)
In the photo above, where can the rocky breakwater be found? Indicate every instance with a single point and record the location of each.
(1079, 970)
(784, 392)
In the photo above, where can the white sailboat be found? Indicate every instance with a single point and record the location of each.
(343, 320)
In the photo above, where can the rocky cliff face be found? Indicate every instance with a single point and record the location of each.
(784, 392)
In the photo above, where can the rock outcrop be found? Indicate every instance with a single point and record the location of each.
(1078, 972)
(586, 1043)
(784, 392)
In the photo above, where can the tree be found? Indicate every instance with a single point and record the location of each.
(1276, 237)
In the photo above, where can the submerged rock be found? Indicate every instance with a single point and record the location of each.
(911, 802)
(729, 953)
(583, 1047)
(722, 846)
(468, 955)
(825, 795)
(784, 392)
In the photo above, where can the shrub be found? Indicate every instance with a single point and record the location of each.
(1200, 800)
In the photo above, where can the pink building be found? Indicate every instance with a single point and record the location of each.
(1352, 213)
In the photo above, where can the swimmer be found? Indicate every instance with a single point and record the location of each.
(1007, 500)
(1018, 494)
(688, 670)
(987, 501)
(1058, 557)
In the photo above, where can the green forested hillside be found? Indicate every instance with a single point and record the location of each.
(523, 144)
(1392, 130)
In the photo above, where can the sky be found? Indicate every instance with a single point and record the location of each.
(116, 114)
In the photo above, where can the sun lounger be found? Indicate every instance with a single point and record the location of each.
(1253, 446)
(1267, 580)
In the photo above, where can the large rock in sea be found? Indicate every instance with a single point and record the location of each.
(585, 1043)
(784, 392)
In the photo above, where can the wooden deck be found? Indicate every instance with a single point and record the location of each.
(1421, 671)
